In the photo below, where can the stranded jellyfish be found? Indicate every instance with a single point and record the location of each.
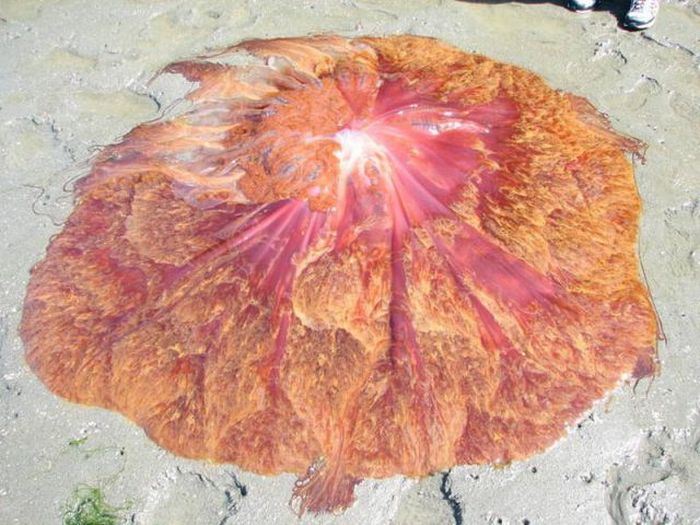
(350, 258)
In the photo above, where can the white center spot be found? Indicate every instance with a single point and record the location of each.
(361, 157)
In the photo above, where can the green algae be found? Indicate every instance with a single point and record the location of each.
(88, 506)
(77, 442)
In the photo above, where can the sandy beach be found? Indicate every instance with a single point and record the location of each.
(78, 75)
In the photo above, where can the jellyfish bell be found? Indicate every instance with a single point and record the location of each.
(355, 258)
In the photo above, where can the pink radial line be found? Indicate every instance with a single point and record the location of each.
(245, 237)
(281, 267)
(275, 276)
(231, 229)
(223, 248)
(507, 277)
(342, 217)
(423, 202)
(292, 209)
(399, 309)
(282, 313)
(403, 336)
(271, 365)
(285, 209)
(279, 279)
(312, 230)
(450, 178)
(527, 293)
(487, 321)
(412, 110)
(492, 335)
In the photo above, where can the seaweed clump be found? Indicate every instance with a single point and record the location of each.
(88, 506)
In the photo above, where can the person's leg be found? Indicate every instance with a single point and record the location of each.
(642, 14)
(581, 5)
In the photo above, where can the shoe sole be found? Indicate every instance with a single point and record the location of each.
(635, 25)
(580, 9)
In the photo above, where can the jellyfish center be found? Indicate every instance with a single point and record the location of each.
(406, 160)
(385, 149)
(363, 159)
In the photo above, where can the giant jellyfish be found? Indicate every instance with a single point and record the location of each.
(350, 258)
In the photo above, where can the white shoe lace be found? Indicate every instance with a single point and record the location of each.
(638, 5)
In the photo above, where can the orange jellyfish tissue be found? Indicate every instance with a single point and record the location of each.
(350, 258)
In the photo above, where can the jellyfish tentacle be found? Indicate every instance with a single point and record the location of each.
(323, 488)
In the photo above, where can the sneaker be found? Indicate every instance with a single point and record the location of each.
(642, 14)
(581, 5)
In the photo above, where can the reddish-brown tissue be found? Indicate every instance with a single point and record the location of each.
(350, 258)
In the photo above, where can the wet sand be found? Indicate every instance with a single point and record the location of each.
(74, 75)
